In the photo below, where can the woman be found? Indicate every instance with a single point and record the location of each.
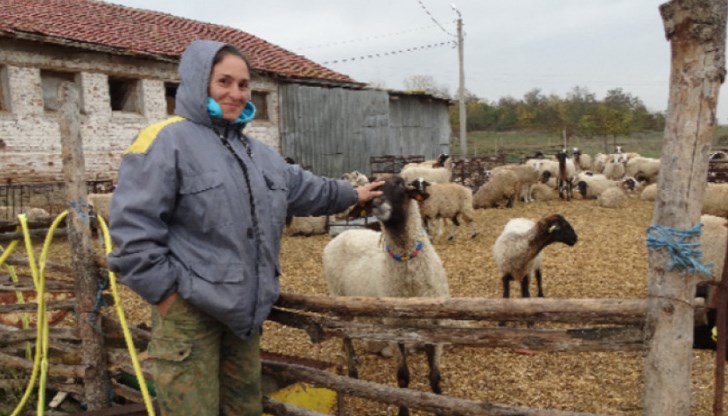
(197, 217)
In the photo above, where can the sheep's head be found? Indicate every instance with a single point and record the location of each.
(581, 187)
(557, 229)
(440, 162)
(392, 207)
(545, 176)
(420, 186)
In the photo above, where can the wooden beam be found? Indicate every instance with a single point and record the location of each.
(414, 399)
(623, 338)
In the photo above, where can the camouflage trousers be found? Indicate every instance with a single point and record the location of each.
(200, 368)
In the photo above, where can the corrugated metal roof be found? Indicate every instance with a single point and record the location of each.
(125, 30)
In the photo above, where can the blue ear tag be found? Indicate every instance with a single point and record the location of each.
(213, 108)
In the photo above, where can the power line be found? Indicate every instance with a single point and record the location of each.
(435, 20)
(390, 53)
(388, 35)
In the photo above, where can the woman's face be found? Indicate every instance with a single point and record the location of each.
(230, 86)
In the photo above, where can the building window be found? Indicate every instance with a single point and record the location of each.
(4, 90)
(260, 100)
(124, 94)
(170, 94)
(50, 83)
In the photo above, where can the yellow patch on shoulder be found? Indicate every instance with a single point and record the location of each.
(148, 134)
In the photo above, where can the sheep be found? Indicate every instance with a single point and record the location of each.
(649, 193)
(714, 235)
(527, 176)
(503, 185)
(399, 261)
(715, 200)
(582, 161)
(356, 178)
(99, 204)
(613, 197)
(614, 167)
(518, 250)
(566, 173)
(543, 192)
(591, 186)
(434, 175)
(446, 200)
(307, 226)
(600, 159)
(33, 214)
(644, 169)
(435, 163)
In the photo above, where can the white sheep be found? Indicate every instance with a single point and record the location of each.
(502, 186)
(518, 249)
(644, 169)
(527, 176)
(582, 161)
(434, 175)
(613, 197)
(590, 186)
(432, 163)
(446, 201)
(32, 214)
(649, 193)
(399, 261)
(614, 167)
(307, 226)
(600, 159)
(543, 192)
(715, 200)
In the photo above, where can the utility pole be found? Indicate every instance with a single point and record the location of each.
(461, 88)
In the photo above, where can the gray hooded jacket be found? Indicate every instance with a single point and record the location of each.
(181, 216)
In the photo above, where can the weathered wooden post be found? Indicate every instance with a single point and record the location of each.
(97, 385)
(696, 30)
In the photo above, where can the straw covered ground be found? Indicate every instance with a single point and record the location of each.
(609, 261)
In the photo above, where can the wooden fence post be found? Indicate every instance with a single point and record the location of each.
(97, 386)
(696, 30)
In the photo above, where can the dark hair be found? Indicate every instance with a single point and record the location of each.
(230, 50)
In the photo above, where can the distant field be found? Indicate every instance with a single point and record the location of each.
(515, 145)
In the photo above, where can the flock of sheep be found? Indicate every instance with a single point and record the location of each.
(400, 260)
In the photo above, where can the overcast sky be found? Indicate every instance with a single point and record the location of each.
(511, 46)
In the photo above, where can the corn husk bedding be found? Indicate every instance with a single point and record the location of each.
(608, 261)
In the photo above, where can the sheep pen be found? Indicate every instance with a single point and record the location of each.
(610, 261)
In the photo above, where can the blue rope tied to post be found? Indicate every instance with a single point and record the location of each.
(683, 254)
(100, 303)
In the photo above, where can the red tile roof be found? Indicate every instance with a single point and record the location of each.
(126, 30)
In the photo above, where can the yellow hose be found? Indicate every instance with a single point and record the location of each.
(41, 311)
(122, 320)
(41, 352)
(18, 294)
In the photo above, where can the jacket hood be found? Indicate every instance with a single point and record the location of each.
(194, 74)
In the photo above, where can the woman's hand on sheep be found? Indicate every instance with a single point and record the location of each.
(367, 192)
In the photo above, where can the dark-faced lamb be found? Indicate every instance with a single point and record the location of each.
(446, 201)
(566, 174)
(518, 250)
(713, 237)
(398, 262)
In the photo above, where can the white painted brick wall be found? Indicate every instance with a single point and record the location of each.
(32, 145)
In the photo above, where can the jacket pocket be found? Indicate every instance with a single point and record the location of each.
(278, 194)
(203, 203)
